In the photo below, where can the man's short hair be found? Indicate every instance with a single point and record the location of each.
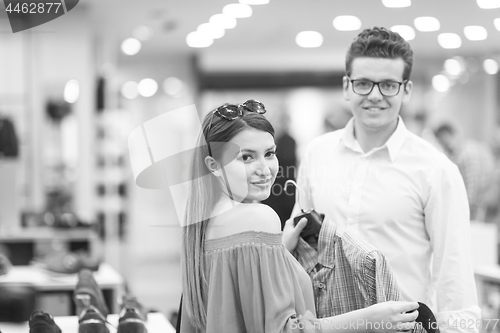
(380, 43)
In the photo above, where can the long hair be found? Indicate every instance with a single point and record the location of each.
(380, 43)
(204, 192)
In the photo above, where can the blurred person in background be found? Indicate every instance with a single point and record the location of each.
(279, 199)
(389, 186)
(476, 164)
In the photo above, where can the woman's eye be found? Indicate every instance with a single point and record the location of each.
(270, 153)
(246, 157)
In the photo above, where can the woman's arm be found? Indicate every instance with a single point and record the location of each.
(382, 317)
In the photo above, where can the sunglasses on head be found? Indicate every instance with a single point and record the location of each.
(234, 111)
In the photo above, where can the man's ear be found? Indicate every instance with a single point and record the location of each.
(213, 166)
(407, 92)
(345, 87)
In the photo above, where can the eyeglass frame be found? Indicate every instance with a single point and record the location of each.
(378, 86)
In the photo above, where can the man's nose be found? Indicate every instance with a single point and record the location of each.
(375, 94)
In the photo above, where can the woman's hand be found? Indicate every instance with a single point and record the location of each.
(391, 316)
(291, 233)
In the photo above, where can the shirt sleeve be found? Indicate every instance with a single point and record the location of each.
(447, 223)
(255, 288)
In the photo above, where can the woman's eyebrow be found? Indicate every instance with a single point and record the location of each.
(254, 151)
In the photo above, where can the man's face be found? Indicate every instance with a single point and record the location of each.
(376, 112)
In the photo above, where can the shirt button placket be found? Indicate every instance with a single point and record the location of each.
(355, 195)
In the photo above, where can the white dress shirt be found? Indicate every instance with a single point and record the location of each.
(409, 201)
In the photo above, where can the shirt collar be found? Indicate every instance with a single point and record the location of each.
(393, 145)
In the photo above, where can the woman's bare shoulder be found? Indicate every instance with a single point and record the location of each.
(244, 217)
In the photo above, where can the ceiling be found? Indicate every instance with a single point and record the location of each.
(270, 32)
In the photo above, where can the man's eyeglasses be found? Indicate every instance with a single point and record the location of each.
(234, 111)
(387, 88)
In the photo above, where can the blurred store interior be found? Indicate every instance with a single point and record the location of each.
(74, 88)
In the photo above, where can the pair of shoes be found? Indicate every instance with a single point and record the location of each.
(90, 306)
(41, 322)
(132, 316)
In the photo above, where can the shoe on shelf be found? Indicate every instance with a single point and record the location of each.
(91, 320)
(88, 294)
(132, 317)
(42, 322)
(66, 262)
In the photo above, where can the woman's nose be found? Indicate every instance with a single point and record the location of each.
(263, 169)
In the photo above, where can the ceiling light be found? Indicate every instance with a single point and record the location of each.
(475, 32)
(309, 39)
(254, 2)
(449, 41)
(453, 67)
(223, 21)
(396, 3)
(172, 86)
(143, 32)
(488, 4)
(405, 31)
(147, 87)
(441, 83)
(197, 39)
(427, 23)
(131, 46)
(346, 23)
(71, 91)
(237, 10)
(211, 30)
(129, 90)
(496, 22)
(490, 66)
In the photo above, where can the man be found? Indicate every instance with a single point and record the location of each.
(476, 164)
(376, 179)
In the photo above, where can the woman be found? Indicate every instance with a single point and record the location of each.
(237, 275)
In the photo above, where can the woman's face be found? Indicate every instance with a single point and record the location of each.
(250, 170)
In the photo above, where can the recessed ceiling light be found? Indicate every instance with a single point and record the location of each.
(405, 31)
(427, 23)
(143, 32)
(129, 90)
(131, 46)
(346, 23)
(475, 32)
(490, 66)
(223, 21)
(172, 85)
(488, 4)
(396, 3)
(441, 83)
(453, 67)
(197, 39)
(211, 30)
(237, 10)
(309, 39)
(147, 87)
(496, 22)
(449, 41)
(254, 2)
(71, 91)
